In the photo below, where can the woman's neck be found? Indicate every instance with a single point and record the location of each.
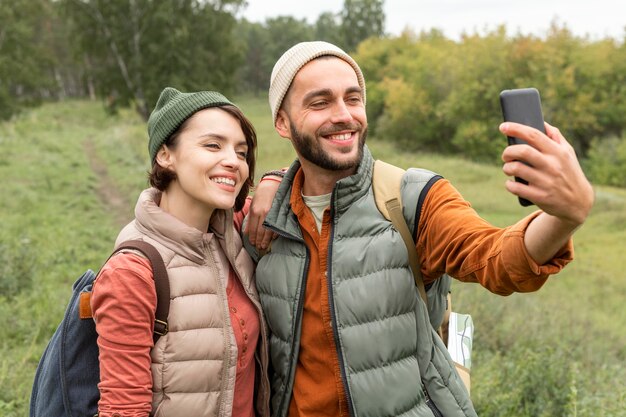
(190, 212)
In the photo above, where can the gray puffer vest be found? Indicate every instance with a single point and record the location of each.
(391, 360)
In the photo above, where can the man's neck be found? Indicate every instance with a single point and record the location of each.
(319, 181)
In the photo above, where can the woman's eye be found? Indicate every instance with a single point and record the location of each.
(243, 154)
(212, 146)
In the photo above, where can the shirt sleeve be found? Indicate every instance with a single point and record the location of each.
(124, 303)
(454, 239)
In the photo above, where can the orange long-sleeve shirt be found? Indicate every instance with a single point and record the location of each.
(452, 238)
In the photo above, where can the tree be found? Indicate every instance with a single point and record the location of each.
(284, 32)
(361, 19)
(263, 45)
(328, 28)
(254, 73)
(23, 60)
(137, 47)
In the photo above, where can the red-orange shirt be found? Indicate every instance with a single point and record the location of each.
(245, 321)
(452, 238)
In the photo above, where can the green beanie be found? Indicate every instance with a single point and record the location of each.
(171, 111)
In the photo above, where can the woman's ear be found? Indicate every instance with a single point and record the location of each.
(165, 158)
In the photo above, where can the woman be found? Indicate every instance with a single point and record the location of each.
(213, 360)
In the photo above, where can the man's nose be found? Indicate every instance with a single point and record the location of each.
(341, 113)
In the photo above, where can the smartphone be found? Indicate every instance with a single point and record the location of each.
(522, 106)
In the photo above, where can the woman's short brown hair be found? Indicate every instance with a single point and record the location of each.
(161, 178)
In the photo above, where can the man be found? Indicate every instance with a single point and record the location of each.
(350, 335)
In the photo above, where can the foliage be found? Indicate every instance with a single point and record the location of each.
(328, 27)
(424, 91)
(253, 76)
(137, 47)
(361, 19)
(266, 42)
(607, 161)
(544, 382)
(24, 54)
(433, 94)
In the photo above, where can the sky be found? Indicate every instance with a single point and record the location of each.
(594, 18)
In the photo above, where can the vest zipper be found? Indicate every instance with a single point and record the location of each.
(226, 317)
(333, 318)
(298, 319)
(430, 403)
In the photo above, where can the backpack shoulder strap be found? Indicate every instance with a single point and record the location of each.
(386, 181)
(161, 283)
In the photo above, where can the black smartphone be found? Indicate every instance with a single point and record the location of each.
(522, 105)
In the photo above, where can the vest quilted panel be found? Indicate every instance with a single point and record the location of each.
(379, 353)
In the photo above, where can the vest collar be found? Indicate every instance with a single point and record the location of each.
(346, 191)
(175, 234)
(349, 189)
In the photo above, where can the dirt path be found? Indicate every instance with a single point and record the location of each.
(118, 205)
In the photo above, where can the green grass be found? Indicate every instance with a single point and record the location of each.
(558, 352)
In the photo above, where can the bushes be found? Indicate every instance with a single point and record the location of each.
(432, 94)
(607, 161)
(526, 382)
(479, 141)
(551, 381)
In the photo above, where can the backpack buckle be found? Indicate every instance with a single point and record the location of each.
(160, 327)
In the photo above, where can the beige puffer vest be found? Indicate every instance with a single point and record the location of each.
(194, 364)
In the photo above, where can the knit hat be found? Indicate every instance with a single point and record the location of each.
(294, 59)
(171, 111)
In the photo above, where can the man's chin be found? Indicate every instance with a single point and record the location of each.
(345, 159)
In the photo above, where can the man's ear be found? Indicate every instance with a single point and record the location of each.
(282, 124)
(165, 158)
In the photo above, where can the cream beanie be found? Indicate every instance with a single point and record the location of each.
(295, 58)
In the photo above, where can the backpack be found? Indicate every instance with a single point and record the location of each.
(67, 377)
(386, 183)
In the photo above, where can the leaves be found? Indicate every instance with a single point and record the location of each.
(433, 94)
(138, 47)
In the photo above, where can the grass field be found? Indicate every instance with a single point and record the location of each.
(71, 175)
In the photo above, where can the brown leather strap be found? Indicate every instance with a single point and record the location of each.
(161, 283)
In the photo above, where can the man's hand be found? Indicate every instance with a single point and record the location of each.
(264, 193)
(556, 184)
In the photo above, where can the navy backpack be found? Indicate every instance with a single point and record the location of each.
(67, 377)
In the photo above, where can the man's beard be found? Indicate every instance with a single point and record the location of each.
(309, 148)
